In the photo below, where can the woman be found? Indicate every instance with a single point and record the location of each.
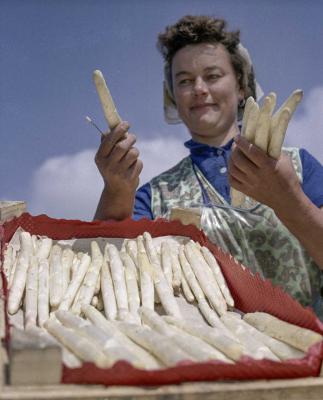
(208, 76)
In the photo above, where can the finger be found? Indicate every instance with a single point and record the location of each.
(109, 140)
(239, 161)
(278, 134)
(134, 171)
(121, 148)
(250, 127)
(238, 173)
(130, 158)
(252, 152)
(237, 195)
(263, 125)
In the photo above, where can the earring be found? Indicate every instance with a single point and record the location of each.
(242, 103)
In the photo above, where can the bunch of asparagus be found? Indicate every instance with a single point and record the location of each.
(60, 291)
(265, 129)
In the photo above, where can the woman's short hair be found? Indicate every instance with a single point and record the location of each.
(204, 29)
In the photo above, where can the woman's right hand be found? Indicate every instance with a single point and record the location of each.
(117, 160)
(118, 163)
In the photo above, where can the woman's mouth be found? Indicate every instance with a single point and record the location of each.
(203, 106)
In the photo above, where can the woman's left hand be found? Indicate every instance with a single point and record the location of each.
(254, 173)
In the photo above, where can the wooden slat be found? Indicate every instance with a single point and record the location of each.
(292, 389)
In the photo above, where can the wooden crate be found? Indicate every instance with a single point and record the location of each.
(293, 389)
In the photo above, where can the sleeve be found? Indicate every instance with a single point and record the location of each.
(142, 207)
(312, 177)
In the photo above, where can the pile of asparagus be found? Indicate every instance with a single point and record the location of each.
(103, 307)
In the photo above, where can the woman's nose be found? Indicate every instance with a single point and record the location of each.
(200, 86)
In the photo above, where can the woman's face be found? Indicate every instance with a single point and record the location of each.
(206, 92)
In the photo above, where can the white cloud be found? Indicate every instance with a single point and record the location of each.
(306, 130)
(69, 186)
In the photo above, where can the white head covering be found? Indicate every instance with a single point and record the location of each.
(170, 110)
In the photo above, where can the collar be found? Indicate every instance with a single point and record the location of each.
(197, 148)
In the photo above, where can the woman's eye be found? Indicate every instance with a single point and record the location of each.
(183, 82)
(213, 77)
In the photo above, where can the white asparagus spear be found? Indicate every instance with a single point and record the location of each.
(246, 113)
(282, 350)
(20, 276)
(44, 247)
(254, 348)
(154, 260)
(279, 123)
(34, 241)
(293, 335)
(273, 98)
(43, 291)
(162, 287)
(291, 104)
(132, 285)
(119, 281)
(278, 133)
(162, 347)
(67, 260)
(222, 306)
(13, 268)
(188, 294)
(131, 249)
(249, 128)
(249, 123)
(208, 313)
(75, 283)
(98, 285)
(166, 262)
(55, 276)
(213, 264)
(146, 272)
(8, 261)
(98, 319)
(263, 125)
(31, 293)
(176, 269)
(210, 290)
(75, 264)
(80, 346)
(113, 350)
(228, 346)
(70, 359)
(197, 348)
(88, 286)
(109, 109)
(107, 290)
(237, 198)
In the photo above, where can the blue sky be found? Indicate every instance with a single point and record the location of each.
(49, 49)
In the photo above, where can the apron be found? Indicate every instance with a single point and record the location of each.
(253, 235)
